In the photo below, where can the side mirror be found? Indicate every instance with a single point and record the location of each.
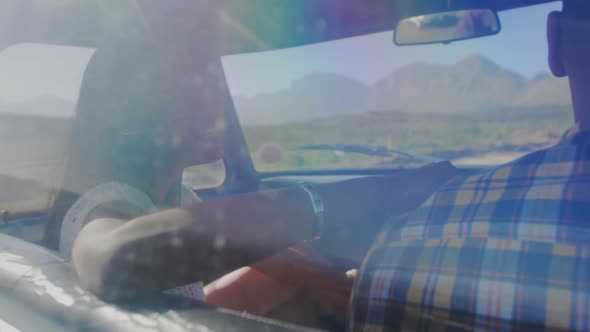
(447, 27)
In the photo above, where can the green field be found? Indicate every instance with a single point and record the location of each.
(32, 148)
(448, 136)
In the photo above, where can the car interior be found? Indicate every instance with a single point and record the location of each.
(39, 290)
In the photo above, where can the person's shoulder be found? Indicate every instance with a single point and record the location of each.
(113, 195)
(501, 172)
(460, 195)
(111, 200)
(462, 188)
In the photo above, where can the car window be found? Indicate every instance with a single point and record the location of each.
(40, 86)
(365, 103)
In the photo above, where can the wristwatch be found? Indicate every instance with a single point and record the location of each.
(317, 205)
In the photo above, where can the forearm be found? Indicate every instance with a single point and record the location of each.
(178, 246)
(248, 290)
(212, 238)
(267, 221)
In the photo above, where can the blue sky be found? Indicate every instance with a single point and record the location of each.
(31, 70)
(521, 47)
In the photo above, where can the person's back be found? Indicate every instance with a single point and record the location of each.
(505, 250)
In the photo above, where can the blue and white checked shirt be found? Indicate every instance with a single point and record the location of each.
(506, 250)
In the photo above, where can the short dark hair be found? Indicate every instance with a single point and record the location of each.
(576, 8)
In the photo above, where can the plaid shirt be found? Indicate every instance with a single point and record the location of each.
(506, 250)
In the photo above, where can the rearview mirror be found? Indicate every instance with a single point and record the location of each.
(447, 27)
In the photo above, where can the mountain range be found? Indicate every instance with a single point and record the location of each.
(315, 95)
(472, 84)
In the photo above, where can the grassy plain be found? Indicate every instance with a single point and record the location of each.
(32, 148)
(445, 135)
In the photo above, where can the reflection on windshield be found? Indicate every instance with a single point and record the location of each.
(39, 85)
(473, 102)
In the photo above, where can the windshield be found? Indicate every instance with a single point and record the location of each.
(39, 85)
(123, 156)
(481, 102)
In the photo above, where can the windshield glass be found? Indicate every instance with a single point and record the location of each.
(121, 153)
(365, 103)
(40, 85)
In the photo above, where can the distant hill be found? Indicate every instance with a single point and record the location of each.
(545, 90)
(44, 105)
(475, 83)
(315, 95)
